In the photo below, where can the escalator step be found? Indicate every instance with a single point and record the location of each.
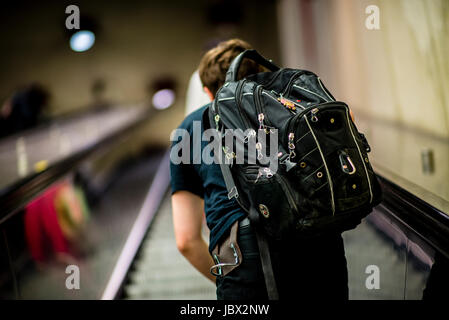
(161, 272)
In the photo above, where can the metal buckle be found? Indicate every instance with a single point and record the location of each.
(344, 161)
(233, 193)
(220, 272)
(220, 265)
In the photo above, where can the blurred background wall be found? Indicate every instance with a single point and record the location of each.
(140, 47)
(137, 42)
(395, 78)
(385, 58)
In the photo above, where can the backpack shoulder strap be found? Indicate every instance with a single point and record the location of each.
(264, 249)
(205, 117)
(225, 169)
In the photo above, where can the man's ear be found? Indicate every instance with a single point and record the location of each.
(211, 96)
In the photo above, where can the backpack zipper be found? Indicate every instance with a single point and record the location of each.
(238, 96)
(325, 90)
(259, 106)
(292, 121)
(329, 178)
(320, 106)
(281, 181)
(316, 94)
(261, 112)
(290, 82)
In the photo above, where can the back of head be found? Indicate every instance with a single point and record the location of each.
(215, 63)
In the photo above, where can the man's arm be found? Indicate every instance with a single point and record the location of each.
(188, 211)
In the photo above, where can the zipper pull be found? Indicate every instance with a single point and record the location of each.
(251, 133)
(229, 155)
(259, 173)
(291, 145)
(268, 172)
(217, 120)
(261, 117)
(259, 150)
(266, 128)
(314, 117)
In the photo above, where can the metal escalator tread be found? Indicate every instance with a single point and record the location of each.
(161, 272)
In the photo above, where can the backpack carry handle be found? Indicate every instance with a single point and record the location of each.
(233, 70)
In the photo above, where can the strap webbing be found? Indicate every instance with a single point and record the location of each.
(229, 181)
(264, 249)
(267, 267)
(226, 172)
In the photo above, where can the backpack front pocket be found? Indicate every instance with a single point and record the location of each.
(271, 196)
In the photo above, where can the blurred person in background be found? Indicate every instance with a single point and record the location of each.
(98, 93)
(195, 97)
(24, 109)
(55, 223)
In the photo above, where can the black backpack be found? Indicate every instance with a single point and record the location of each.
(324, 181)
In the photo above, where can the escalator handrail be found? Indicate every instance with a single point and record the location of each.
(148, 211)
(430, 223)
(14, 197)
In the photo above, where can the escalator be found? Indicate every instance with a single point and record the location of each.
(160, 272)
(403, 242)
(90, 153)
(127, 248)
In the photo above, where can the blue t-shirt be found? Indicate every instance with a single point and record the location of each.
(204, 180)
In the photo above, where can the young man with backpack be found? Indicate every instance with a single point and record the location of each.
(199, 188)
(274, 232)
